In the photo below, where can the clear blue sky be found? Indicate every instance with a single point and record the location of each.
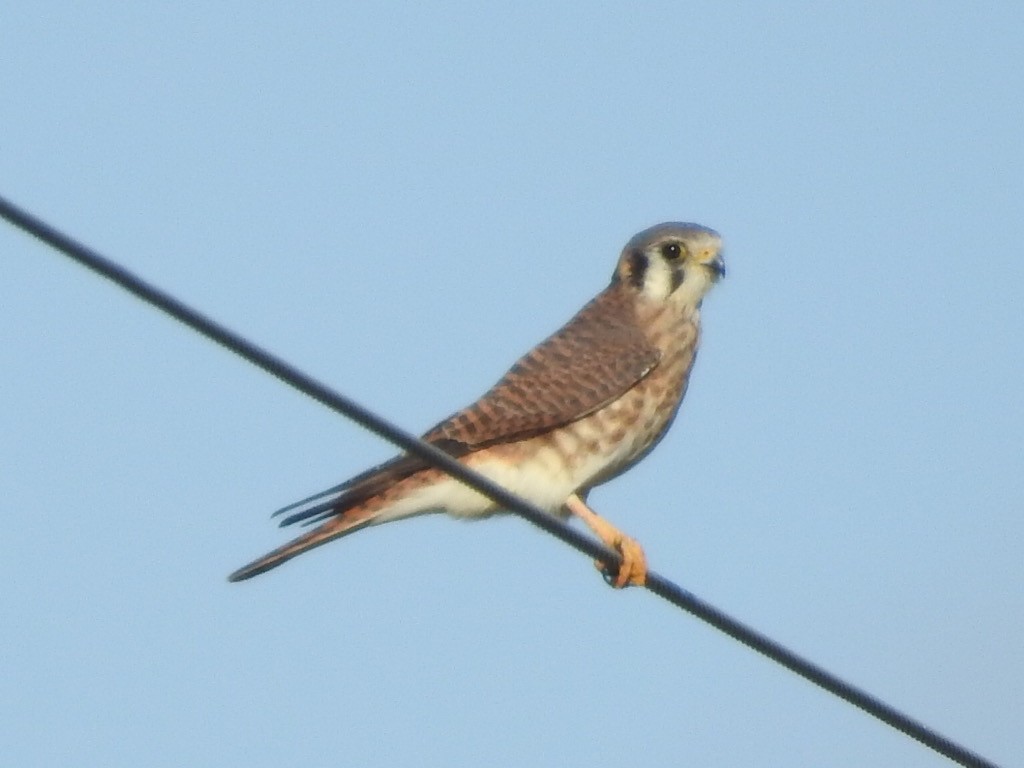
(404, 200)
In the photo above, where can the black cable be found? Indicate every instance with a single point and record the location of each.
(657, 584)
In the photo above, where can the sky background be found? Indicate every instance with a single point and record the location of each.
(402, 200)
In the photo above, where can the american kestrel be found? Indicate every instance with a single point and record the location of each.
(577, 410)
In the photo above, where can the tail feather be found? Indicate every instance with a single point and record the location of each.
(334, 493)
(334, 528)
(338, 511)
(313, 514)
(343, 497)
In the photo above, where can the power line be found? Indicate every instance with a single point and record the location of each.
(337, 402)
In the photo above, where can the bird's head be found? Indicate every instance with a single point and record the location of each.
(672, 261)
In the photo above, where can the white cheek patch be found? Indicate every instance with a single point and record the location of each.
(658, 279)
(693, 287)
(661, 281)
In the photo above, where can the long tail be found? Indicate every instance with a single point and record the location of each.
(334, 528)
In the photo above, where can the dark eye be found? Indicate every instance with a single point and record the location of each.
(671, 250)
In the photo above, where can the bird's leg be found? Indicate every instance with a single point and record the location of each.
(633, 570)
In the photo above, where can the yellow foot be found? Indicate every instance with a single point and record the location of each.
(633, 570)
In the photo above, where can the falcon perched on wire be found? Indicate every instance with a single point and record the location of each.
(580, 408)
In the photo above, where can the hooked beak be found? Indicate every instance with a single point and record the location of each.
(717, 267)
